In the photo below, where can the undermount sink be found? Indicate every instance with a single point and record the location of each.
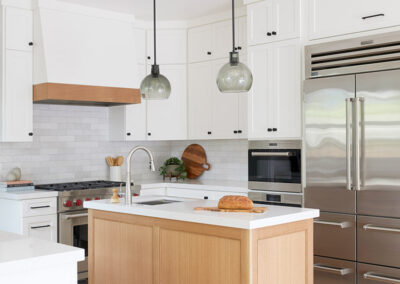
(157, 202)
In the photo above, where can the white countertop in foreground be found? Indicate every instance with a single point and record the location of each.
(27, 194)
(19, 253)
(183, 211)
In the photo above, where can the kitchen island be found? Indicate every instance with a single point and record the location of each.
(174, 244)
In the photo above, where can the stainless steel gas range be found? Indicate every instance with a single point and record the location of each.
(72, 217)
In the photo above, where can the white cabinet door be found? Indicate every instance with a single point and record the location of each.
(17, 118)
(241, 36)
(166, 119)
(200, 100)
(200, 43)
(261, 94)
(18, 29)
(188, 193)
(222, 39)
(273, 20)
(332, 18)
(41, 227)
(171, 46)
(140, 45)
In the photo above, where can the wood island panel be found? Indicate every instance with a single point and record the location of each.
(134, 249)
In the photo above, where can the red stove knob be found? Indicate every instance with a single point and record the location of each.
(88, 199)
(136, 194)
(78, 202)
(68, 203)
(97, 198)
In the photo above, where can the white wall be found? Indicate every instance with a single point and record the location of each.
(70, 143)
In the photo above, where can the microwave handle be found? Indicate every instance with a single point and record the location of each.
(270, 154)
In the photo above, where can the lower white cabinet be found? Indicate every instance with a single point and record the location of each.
(212, 114)
(274, 108)
(199, 194)
(41, 227)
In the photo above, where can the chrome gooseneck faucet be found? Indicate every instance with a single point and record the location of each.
(128, 192)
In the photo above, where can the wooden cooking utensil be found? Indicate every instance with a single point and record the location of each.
(195, 159)
(120, 161)
(110, 161)
(216, 209)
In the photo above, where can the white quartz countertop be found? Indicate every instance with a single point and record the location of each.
(184, 211)
(27, 194)
(18, 253)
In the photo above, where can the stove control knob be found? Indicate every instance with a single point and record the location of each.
(97, 198)
(68, 203)
(135, 194)
(88, 199)
(78, 202)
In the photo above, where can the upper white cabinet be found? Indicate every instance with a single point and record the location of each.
(166, 119)
(214, 41)
(273, 20)
(140, 45)
(171, 46)
(275, 98)
(332, 18)
(211, 114)
(16, 88)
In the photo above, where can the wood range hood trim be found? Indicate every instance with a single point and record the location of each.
(69, 94)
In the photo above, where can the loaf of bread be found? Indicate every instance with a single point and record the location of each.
(235, 202)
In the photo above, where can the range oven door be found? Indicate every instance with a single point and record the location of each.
(73, 231)
(275, 169)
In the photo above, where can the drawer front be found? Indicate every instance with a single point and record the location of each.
(217, 195)
(378, 240)
(41, 227)
(374, 274)
(152, 191)
(335, 236)
(188, 193)
(38, 207)
(333, 271)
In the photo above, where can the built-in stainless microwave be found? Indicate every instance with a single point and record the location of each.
(275, 165)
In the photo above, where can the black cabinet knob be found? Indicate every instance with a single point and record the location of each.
(205, 197)
(149, 134)
(148, 57)
(235, 131)
(273, 33)
(269, 34)
(239, 48)
(30, 44)
(209, 132)
(274, 129)
(30, 133)
(129, 134)
(269, 129)
(208, 52)
(239, 131)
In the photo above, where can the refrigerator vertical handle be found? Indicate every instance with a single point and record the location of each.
(357, 150)
(348, 144)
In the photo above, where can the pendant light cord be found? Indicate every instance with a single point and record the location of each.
(233, 25)
(155, 44)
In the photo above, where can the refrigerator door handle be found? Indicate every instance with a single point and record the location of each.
(378, 228)
(342, 225)
(334, 270)
(348, 144)
(380, 278)
(357, 177)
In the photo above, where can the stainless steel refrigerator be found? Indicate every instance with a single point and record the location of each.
(352, 150)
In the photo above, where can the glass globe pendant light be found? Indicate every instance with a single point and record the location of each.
(155, 86)
(234, 77)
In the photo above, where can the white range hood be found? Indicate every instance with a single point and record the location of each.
(83, 55)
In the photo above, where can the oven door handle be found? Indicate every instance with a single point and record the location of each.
(271, 154)
(67, 217)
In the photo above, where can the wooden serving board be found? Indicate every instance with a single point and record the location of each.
(195, 159)
(216, 209)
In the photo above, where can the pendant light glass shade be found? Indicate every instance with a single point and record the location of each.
(234, 77)
(155, 86)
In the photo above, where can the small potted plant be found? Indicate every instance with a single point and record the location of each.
(173, 167)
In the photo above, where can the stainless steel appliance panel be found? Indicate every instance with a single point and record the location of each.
(380, 143)
(334, 271)
(378, 240)
(328, 114)
(373, 274)
(335, 236)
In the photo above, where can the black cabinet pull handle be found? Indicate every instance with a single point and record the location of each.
(269, 129)
(39, 227)
(239, 47)
(129, 134)
(149, 134)
(274, 129)
(30, 44)
(273, 33)
(209, 52)
(30, 133)
(235, 131)
(205, 197)
(209, 132)
(239, 131)
(40, 207)
(373, 16)
(148, 57)
(269, 34)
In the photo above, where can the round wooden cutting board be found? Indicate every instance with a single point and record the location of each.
(195, 159)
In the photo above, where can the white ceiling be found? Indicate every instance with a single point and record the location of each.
(167, 10)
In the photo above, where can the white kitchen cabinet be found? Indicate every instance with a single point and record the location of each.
(41, 227)
(166, 119)
(199, 194)
(273, 20)
(18, 29)
(211, 114)
(332, 18)
(200, 43)
(140, 44)
(274, 106)
(171, 46)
